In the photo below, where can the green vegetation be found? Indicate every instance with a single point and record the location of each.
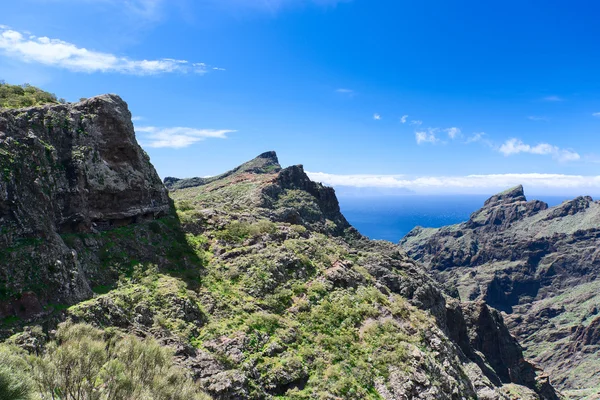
(15, 383)
(17, 96)
(85, 363)
(157, 300)
(237, 231)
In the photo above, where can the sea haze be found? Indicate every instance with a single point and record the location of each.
(392, 217)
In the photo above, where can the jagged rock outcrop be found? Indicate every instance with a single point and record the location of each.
(536, 264)
(66, 169)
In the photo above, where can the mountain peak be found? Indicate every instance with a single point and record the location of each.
(508, 196)
(265, 163)
(504, 208)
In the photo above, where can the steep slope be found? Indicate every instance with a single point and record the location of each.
(540, 266)
(300, 304)
(70, 170)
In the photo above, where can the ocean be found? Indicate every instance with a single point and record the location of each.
(392, 217)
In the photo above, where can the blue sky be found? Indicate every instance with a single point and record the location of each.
(429, 96)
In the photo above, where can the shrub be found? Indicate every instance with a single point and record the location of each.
(85, 363)
(14, 382)
(15, 96)
(238, 231)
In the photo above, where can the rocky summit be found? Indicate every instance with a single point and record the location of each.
(536, 264)
(253, 279)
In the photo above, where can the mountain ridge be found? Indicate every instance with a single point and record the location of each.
(535, 263)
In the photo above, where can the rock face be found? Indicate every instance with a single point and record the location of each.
(66, 170)
(539, 266)
(73, 168)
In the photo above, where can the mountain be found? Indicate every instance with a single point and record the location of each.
(278, 241)
(536, 264)
(253, 279)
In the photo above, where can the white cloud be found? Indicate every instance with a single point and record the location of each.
(516, 146)
(416, 122)
(177, 137)
(427, 137)
(403, 119)
(61, 54)
(136, 118)
(477, 137)
(219, 69)
(597, 114)
(553, 98)
(556, 183)
(452, 132)
(345, 92)
(376, 117)
(537, 118)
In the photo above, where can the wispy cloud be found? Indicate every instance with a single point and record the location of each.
(146, 8)
(476, 137)
(597, 114)
(377, 117)
(553, 98)
(345, 92)
(516, 146)
(416, 122)
(403, 119)
(177, 137)
(61, 54)
(537, 118)
(136, 118)
(453, 132)
(429, 136)
(463, 184)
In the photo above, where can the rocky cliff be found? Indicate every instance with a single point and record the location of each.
(536, 264)
(254, 277)
(67, 170)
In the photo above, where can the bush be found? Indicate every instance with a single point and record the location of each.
(14, 382)
(238, 231)
(15, 96)
(85, 363)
